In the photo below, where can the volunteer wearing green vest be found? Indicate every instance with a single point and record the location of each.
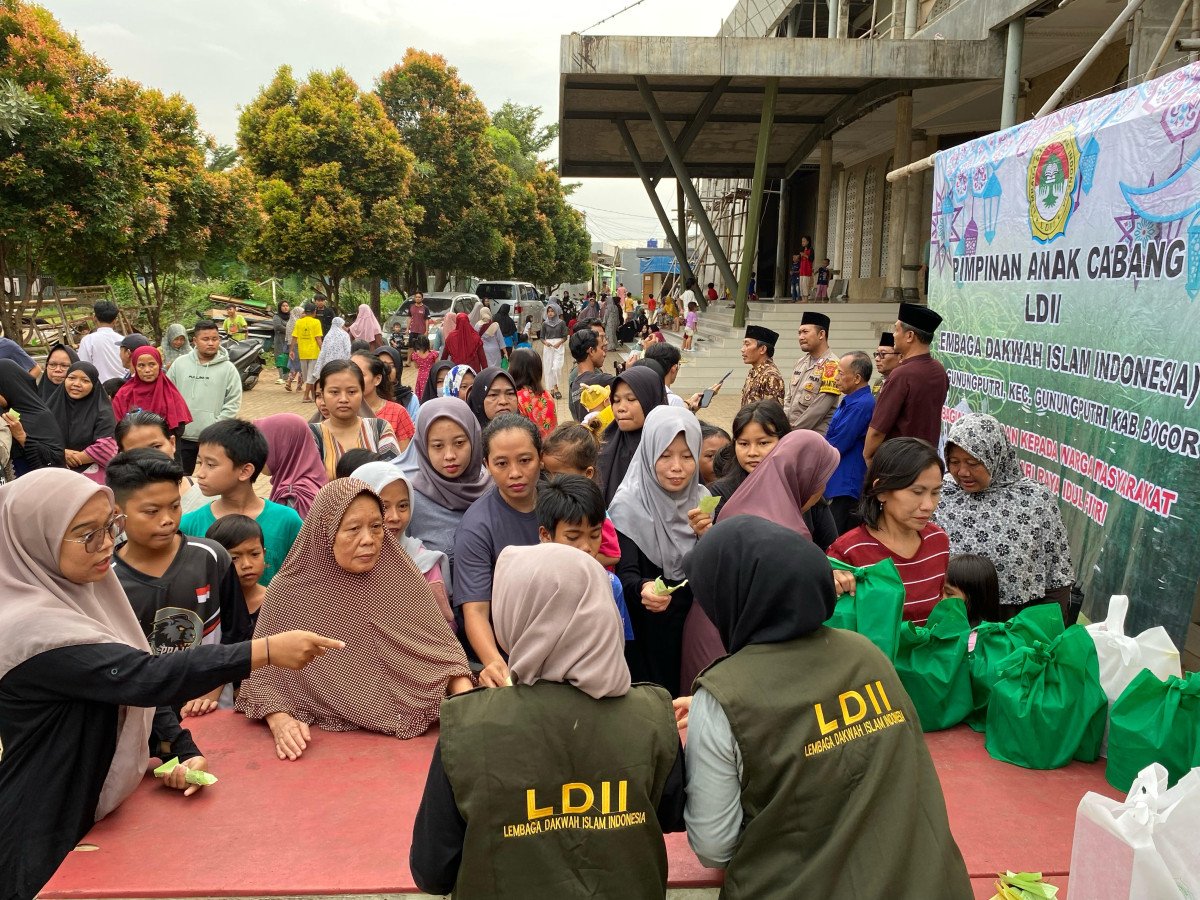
(808, 775)
(562, 784)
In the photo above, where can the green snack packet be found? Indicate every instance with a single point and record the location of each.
(708, 504)
(660, 586)
(203, 778)
(16, 414)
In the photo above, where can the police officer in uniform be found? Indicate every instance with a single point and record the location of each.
(813, 394)
(562, 783)
(818, 784)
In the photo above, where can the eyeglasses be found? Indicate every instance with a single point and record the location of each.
(94, 540)
(881, 354)
(56, 365)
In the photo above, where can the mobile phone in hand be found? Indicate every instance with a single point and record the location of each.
(706, 399)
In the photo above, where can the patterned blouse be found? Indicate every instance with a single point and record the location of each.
(397, 416)
(538, 409)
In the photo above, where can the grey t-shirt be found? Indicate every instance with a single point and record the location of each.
(487, 527)
(555, 330)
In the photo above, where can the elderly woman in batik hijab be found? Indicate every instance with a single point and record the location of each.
(991, 508)
(392, 682)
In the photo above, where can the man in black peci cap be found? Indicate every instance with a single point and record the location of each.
(910, 404)
(886, 360)
(765, 380)
(814, 395)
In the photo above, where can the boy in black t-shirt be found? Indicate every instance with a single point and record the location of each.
(184, 590)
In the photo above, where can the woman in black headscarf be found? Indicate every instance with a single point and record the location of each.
(85, 416)
(58, 360)
(508, 328)
(432, 388)
(401, 393)
(634, 393)
(494, 392)
(37, 440)
(864, 786)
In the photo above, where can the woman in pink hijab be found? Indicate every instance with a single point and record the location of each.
(366, 328)
(82, 699)
(293, 461)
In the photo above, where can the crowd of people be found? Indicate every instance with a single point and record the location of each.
(633, 573)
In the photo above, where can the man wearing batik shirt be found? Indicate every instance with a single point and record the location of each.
(814, 394)
(765, 380)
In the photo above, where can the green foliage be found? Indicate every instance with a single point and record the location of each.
(522, 123)
(460, 184)
(333, 179)
(241, 290)
(16, 108)
(221, 157)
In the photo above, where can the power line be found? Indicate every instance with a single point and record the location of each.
(614, 15)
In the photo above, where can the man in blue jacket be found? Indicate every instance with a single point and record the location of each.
(847, 432)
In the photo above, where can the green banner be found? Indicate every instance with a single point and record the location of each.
(1065, 260)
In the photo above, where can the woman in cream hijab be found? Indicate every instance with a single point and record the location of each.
(82, 700)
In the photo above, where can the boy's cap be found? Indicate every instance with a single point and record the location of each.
(310, 307)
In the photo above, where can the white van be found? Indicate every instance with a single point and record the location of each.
(521, 296)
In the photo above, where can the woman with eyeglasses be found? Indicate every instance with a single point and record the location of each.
(58, 360)
(83, 702)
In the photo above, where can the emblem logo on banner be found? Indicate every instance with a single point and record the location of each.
(1053, 176)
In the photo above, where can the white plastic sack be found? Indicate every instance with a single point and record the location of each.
(1144, 848)
(1122, 657)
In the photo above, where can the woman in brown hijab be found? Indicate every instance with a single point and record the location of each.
(79, 687)
(564, 782)
(401, 658)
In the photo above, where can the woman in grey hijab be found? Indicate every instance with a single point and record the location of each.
(175, 344)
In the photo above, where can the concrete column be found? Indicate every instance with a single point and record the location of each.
(1012, 73)
(901, 157)
(681, 214)
(916, 225)
(824, 180)
(754, 214)
(843, 23)
(911, 8)
(832, 6)
(781, 244)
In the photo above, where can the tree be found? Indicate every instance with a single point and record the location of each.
(572, 257)
(461, 184)
(68, 174)
(221, 157)
(182, 210)
(522, 123)
(333, 179)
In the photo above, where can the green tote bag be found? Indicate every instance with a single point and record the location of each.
(1047, 706)
(1154, 722)
(931, 660)
(995, 641)
(875, 608)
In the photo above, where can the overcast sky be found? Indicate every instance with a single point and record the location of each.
(218, 53)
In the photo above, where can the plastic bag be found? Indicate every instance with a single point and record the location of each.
(1122, 657)
(875, 608)
(1155, 721)
(931, 660)
(995, 642)
(1142, 848)
(1047, 706)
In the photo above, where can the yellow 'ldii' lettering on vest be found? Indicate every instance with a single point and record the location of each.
(587, 799)
(855, 700)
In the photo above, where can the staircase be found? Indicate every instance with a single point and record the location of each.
(852, 326)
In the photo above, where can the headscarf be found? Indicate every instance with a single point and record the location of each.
(619, 446)
(463, 345)
(795, 469)
(335, 345)
(87, 420)
(401, 393)
(760, 582)
(483, 384)
(1014, 522)
(453, 383)
(475, 313)
(431, 390)
(297, 471)
(160, 396)
(504, 318)
(379, 475)
(20, 392)
(295, 316)
(43, 611)
(169, 353)
(366, 327)
(654, 518)
(399, 654)
(552, 608)
(45, 385)
(450, 493)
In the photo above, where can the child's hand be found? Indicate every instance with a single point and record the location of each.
(699, 521)
(652, 600)
(176, 777)
(844, 582)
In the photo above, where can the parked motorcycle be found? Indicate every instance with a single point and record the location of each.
(246, 357)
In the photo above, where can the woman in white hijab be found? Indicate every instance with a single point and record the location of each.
(82, 700)
(395, 491)
(335, 345)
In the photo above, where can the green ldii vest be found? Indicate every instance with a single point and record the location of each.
(559, 790)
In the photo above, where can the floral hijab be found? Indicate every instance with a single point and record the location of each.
(1014, 522)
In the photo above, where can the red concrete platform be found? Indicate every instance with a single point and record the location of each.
(339, 821)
